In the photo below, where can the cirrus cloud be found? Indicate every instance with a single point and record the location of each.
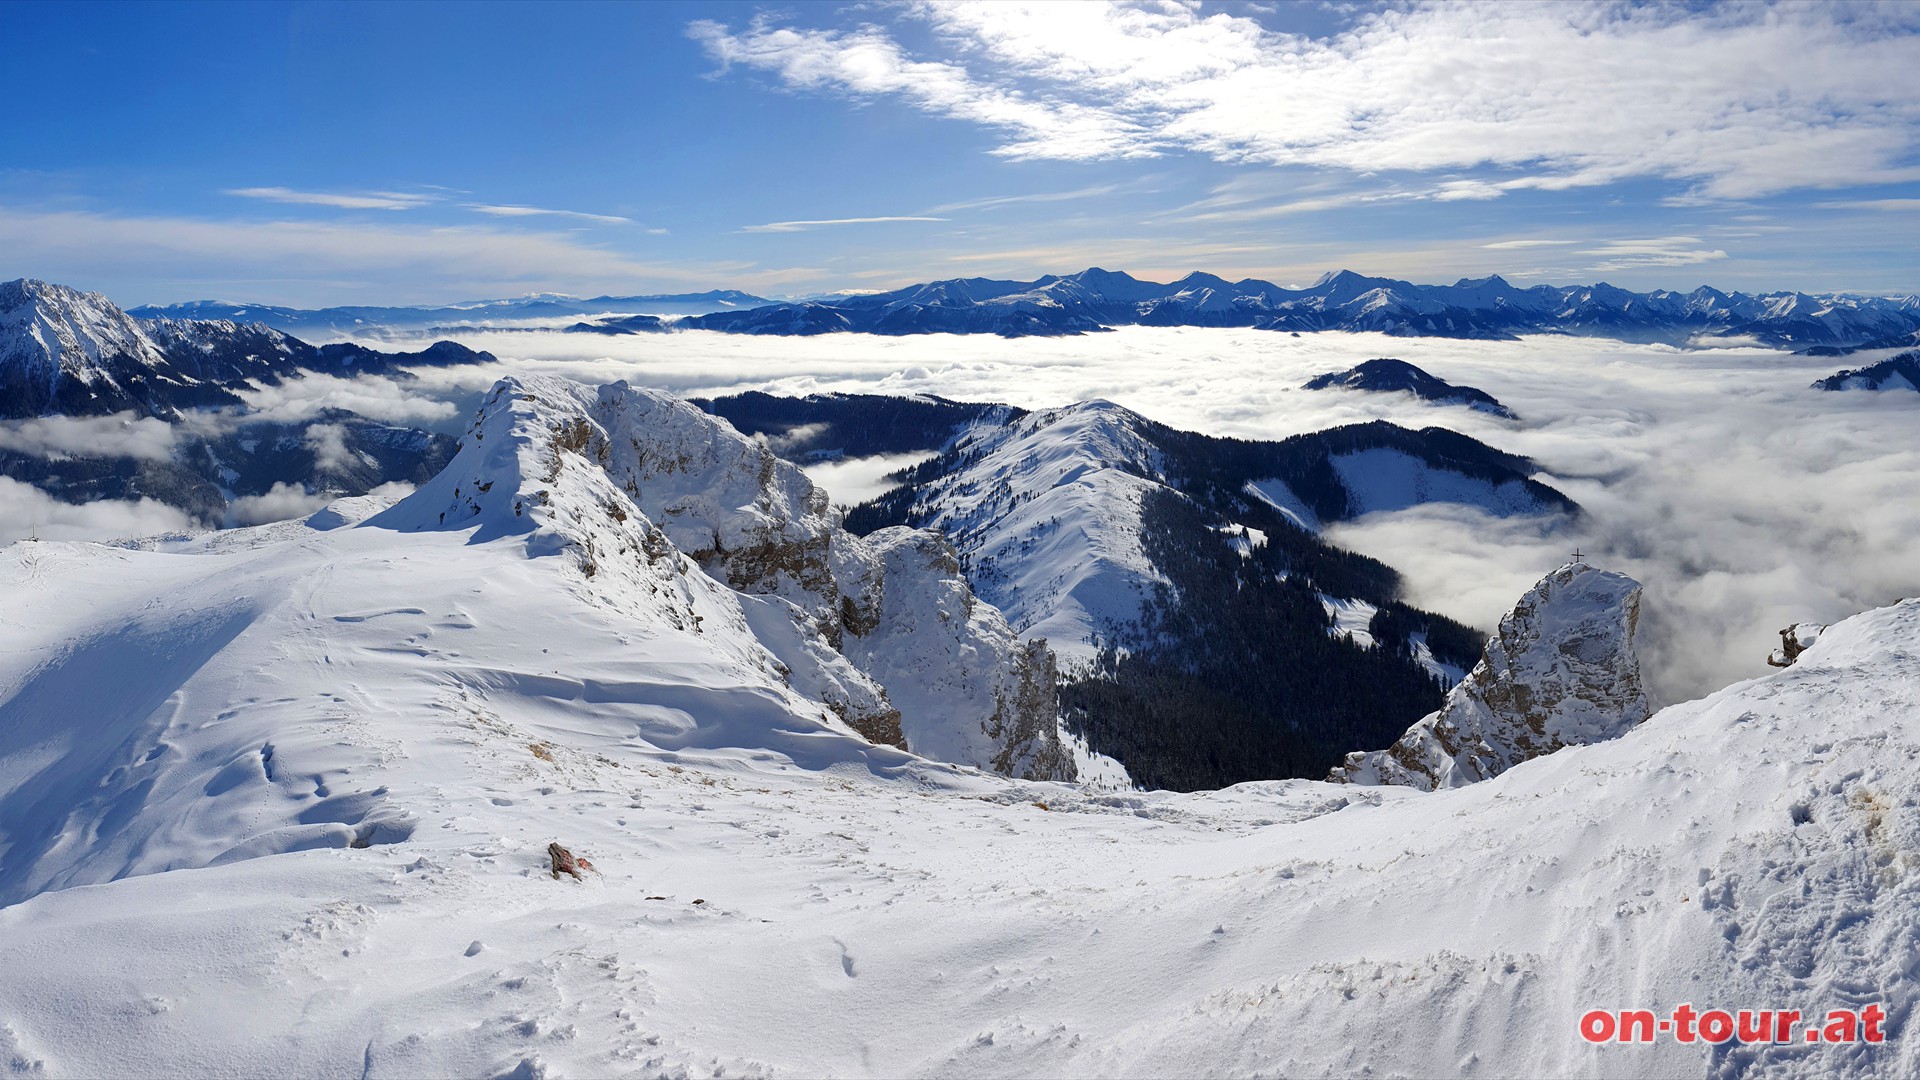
(1559, 96)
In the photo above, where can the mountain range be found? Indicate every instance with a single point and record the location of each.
(1097, 299)
(881, 789)
(287, 799)
(1167, 569)
(68, 356)
(1160, 567)
(1488, 308)
(466, 315)
(1155, 564)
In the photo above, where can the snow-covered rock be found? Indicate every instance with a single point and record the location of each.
(1795, 640)
(968, 690)
(1560, 672)
(629, 483)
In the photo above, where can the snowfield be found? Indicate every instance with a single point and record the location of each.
(197, 740)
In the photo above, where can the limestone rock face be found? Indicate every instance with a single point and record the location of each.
(968, 689)
(1560, 672)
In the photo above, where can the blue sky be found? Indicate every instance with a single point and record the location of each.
(353, 153)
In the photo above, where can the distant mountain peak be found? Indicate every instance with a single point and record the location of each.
(1388, 375)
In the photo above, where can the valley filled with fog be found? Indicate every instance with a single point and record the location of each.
(1744, 499)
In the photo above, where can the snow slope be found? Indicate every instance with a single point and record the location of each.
(1383, 479)
(1047, 509)
(778, 897)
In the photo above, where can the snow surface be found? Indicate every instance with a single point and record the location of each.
(194, 743)
(1277, 494)
(1382, 480)
(1352, 619)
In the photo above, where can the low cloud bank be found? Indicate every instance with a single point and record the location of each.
(26, 511)
(119, 435)
(282, 501)
(1743, 499)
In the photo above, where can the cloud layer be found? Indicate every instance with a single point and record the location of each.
(119, 435)
(1743, 499)
(25, 510)
(1737, 100)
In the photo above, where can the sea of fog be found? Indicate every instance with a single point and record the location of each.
(1743, 499)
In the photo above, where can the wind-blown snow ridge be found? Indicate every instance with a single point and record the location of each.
(625, 480)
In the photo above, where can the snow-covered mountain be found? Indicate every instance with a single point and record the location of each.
(1097, 299)
(72, 353)
(65, 351)
(72, 358)
(1561, 671)
(1488, 308)
(357, 319)
(1389, 376)
(1160, 563)
(884, 630)
(1900, 372)
(278, 802)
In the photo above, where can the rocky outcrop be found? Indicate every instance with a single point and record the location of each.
(883, 631)
(1560, 672)
(1795, 640)
(968, 690)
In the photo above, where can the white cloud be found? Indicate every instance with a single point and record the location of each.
(852, 481)
(1739, 100)
(1463, 190)
(866, 63)
(1521, 245)
(369, 200)
(473, 259)
(329, 445)
(804, 226)
(1039, 197)
(394, 490)
(119, 435)
(1891, 206)
(535, 211)
(25, 510)
(1653, 251)
(280, 503)
(374, 396)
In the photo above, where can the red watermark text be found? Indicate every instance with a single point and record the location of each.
(1685, 1025)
